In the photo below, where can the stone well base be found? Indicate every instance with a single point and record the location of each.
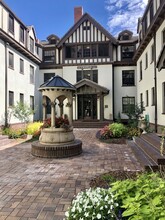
(57, 151)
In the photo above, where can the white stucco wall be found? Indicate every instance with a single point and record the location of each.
(122, 91)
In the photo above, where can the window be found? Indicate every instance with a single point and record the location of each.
(128, 103)
(141, 70)
(151, 12)
(153, 95)
(103, 50)
(163, 97)
(31, 74)
(146, 57)
(163, 36)
(49, 56)
(87, 74)
(94, 50)
(21, 34)
(70, 52)
(48, 76)
(141, 100)
(11, 98)
(21, 66)
(144, 25)
(125, 37)
(152, 53)
(79, 51)
(147, 101)
(86, 50)
(32, 102)
(21, 97)
(11, 24)
(86, 28)
(31, 45)
(11, 60)
(128, 78)
(127, 52)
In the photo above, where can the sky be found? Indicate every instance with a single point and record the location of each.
(57, 16)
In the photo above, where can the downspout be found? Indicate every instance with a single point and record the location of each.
(155, 81)
(113, 98)
(6, 86)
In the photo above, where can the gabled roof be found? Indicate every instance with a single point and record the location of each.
(57, 82)
(92, 84)
(86, 17)
(125, 32)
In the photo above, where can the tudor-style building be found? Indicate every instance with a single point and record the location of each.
(109, 73)
(97, 64)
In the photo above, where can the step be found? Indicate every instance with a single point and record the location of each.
(152, 139)
(90, 124)
(151, 151)
(146, 162)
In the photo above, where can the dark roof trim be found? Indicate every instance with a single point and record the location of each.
(12, 13)
(6, 38)
(79, 22)
(155, 24)
(91, 84)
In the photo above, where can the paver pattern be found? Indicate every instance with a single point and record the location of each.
(36, 188)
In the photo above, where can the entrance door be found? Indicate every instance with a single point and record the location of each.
(87, 106)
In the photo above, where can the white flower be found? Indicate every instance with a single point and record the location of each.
(98, 216)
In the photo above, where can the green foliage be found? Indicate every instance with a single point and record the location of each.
(32, 128)
(134, 113)
(132, 132)
(93, 204)
(118, 130)
(14, 133)
(143, 198)
(22, 112)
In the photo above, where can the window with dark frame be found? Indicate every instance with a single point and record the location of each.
(79, 51)
(87, 74)
(151, 12)
(141, 100)
(163, 36)
(70, 52)
(21, 66)
(163, 97)
(152, 53)
(32, 102)
(11, 23)
(127, 104)
(49, 56)
(141, 70)
(22, 37)
(11, 98)
(128, 78)
(153, 95)
(21, 98)
(31, 74)
(147, 100)
(146, 58)
(11, 60)
(31, 45)
(48, 76)
(103, 50)
(86, 51)
(127, 52)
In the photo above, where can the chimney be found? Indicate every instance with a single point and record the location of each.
(78, 12)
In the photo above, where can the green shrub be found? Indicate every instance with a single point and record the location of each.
(143, 198)
(95, 203)
(132, 132)
(32, 128)
(118, 130)
(16, 133)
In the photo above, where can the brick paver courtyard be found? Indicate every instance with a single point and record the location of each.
(35, 188)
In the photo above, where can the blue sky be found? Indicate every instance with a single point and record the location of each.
(57, 16)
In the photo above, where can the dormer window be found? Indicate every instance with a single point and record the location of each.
(11, 24)
(125, 37)
(21, 34)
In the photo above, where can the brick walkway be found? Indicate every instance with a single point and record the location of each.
(35, 188)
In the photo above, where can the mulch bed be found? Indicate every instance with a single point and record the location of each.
(121, 140)
(104, 180)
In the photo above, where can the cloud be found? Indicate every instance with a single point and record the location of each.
(124, 14)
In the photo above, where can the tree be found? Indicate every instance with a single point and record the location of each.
(22, 112)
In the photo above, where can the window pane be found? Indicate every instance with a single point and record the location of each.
(21, 97)
(79, 51)
(128, 78)
(70, 51)
(11, 60)
(127, 104)
(31, 74)
(11, 23)
(31, 45)
(32, 102)
(127, 52)
(21, 66)
(21, 34)
(49, 56)
(86, 51)
(79, 75)
(48, 76)
(103, 50)
(11, 98)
